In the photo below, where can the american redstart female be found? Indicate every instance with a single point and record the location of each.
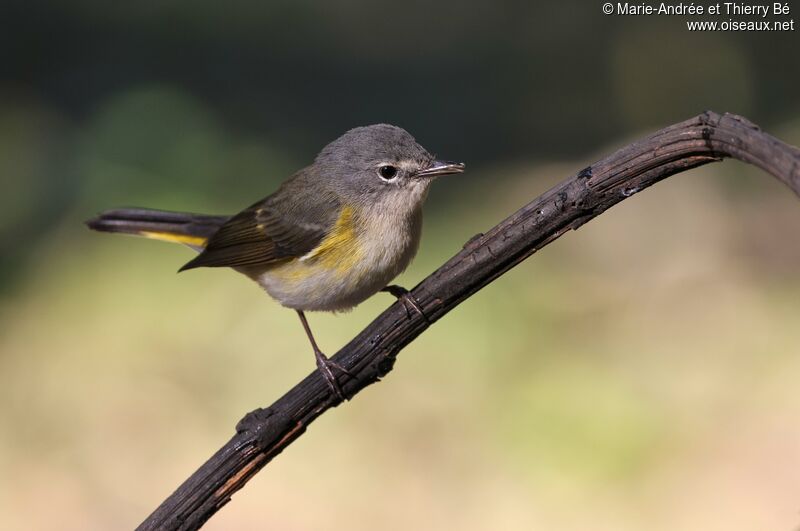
(331, 236)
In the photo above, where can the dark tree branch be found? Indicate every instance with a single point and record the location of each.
(264, 433)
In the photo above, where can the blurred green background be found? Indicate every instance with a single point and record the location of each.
(638, 374)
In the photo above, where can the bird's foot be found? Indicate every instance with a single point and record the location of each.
(407, 299)
(326, 367)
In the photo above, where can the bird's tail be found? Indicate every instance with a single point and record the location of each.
(193, 230)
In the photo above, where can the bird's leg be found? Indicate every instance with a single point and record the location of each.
(408, 300)
(325, 364)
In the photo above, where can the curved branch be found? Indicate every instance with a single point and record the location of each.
(264, 433)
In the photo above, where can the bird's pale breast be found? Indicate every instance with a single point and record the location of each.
(364, 251)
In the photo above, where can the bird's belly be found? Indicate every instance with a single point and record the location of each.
(343, 276)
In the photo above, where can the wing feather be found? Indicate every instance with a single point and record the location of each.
(271, 231)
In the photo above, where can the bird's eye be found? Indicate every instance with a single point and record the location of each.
(387, 172)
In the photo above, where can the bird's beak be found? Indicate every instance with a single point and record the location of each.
(440, 167)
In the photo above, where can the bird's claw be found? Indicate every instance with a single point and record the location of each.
(407, 299)
(326, 367)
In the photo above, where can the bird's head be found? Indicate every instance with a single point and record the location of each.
(380, 165)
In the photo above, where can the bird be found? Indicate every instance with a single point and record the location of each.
(332, 235)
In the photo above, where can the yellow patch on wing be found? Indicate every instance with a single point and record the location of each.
(194, 241)
(340, 249)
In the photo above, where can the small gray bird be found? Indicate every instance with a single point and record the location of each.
(332, 235)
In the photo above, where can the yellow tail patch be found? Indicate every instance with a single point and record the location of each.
(194, 241)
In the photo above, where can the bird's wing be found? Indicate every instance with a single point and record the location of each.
(287, 224)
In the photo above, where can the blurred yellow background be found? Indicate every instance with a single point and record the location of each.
(640, 373)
